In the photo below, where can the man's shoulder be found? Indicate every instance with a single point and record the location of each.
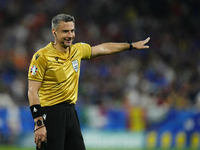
(42, 53)
(45, 50)
(85, 50)
(81, 46)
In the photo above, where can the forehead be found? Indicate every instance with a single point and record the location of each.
(66, 25)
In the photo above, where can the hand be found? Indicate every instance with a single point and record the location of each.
(40, 135)
(141, 44)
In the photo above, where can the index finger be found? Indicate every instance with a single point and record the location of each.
(147, 40)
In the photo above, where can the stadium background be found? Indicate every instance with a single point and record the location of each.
(131, 100)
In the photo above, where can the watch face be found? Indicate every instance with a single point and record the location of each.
(39, 122)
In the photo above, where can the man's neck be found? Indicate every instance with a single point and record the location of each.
(60, 48)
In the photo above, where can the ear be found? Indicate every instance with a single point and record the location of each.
(53, 32)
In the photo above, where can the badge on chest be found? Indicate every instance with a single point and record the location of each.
(75, 65)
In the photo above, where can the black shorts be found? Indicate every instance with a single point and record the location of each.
(63, 127)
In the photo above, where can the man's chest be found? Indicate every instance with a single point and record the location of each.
(60, 69)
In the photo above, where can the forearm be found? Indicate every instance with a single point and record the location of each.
(33, 97)
(34, 101)
(109, 48)
(40, 132)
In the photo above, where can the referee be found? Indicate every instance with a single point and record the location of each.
(53, 85)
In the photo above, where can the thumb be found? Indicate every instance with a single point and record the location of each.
(145, 46)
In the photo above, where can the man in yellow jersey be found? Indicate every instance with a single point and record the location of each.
(53, 84)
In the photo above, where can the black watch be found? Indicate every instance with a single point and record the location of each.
(39, 122)
(131, 46)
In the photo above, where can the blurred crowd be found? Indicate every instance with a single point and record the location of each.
(165, 76)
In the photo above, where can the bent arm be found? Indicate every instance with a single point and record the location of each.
(111, 48)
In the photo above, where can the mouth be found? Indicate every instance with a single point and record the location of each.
(69, 41)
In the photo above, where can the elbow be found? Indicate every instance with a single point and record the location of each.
(32, 97)
(30, 93)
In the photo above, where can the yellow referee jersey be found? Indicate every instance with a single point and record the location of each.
(59, 73)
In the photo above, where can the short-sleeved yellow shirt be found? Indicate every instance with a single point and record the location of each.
(59, 73)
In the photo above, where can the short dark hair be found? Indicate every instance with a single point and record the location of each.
(61, 17)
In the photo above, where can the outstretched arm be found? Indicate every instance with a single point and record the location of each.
(111, 48)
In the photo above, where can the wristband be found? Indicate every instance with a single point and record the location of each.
(38, 128)
(36, 111)
(131, 46)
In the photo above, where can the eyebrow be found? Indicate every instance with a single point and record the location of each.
(68, 30)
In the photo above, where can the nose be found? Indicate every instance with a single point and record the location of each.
(70, 34)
